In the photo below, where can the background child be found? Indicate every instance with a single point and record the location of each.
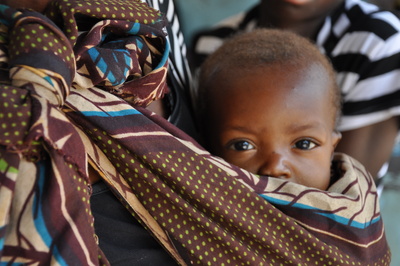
(269, 103)
(362, 43)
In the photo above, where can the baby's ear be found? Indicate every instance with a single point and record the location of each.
(336, 137)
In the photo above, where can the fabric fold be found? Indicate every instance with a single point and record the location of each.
(219, 213)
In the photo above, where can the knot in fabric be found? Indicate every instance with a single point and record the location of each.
(125, 53)
(40, 58)
(37, 68)
(125, 58)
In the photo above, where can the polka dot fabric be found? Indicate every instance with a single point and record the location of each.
(45, 192)
(65, 12)
(27, 38)
(212, 209)
(219, 213)
(15, 107)
(32, 39)
(132, 62)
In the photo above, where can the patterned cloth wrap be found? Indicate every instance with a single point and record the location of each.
(72, 97)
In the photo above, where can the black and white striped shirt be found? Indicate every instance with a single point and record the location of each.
(179, 74)
(363, 44)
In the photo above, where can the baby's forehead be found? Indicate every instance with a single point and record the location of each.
(302, 70)
(310, 78)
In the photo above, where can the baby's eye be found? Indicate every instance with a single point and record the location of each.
(305, 144)
(241, 145)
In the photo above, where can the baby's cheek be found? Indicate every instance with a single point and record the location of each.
(240, 160)
(323, 180)
(315, 174)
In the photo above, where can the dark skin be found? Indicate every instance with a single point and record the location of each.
(277, 121)
(306, 20)
(303, 17)
(371, 145)
(377, 139)
(387, 4)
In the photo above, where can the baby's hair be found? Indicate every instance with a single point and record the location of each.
(261, 48)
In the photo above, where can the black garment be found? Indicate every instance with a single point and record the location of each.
(179, 79)
(122, 238)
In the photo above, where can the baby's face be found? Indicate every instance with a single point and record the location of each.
(276, 121)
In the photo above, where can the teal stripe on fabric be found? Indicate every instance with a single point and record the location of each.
(2, 239)
(337, 218)
(112, 114)
(39, 219)
(165, 56)
(48, 79)
(4, 21)
(101, 64)
(139, 44)
(346, 221)
(135, 29)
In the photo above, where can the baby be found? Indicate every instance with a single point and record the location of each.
(268, 103)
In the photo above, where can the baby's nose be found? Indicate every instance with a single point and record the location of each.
(275, 165)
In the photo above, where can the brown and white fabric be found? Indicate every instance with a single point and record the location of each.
(72, 86)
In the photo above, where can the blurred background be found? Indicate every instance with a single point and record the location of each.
(195, 15)
(198, 14)
(389, 201)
